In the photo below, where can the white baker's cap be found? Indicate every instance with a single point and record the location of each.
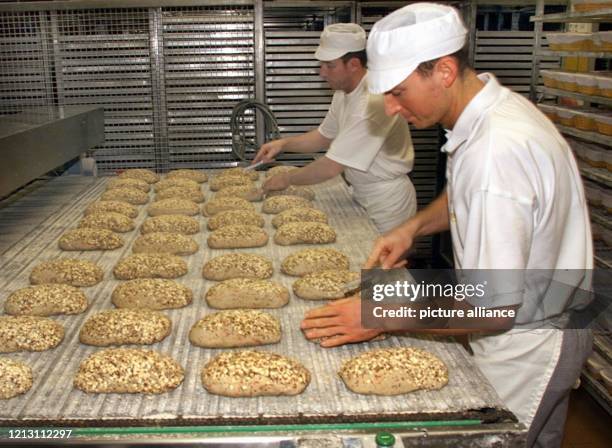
(338, 39)
(416, 33)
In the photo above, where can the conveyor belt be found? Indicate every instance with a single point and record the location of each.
(52, 399)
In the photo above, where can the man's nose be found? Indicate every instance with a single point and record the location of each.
(392, 105)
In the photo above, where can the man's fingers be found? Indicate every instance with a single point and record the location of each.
(322, 311)
(393, 257)
(374, 258)
(320, 322)
(322, 332)
(335, 341)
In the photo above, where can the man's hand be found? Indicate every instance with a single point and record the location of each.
(390, 247)
(269, 151)
(340, 322)
(277, 182)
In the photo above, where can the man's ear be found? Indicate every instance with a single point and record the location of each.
(354, 64)
(447, 69)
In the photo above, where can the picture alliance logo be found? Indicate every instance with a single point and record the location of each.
(413, 291)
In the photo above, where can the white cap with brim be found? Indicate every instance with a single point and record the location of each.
(401, 41)
(338, 39)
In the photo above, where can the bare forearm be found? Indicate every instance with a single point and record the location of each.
(309, 142)
(315, 172)
(432, 219)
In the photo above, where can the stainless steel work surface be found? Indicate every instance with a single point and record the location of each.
(53, 398)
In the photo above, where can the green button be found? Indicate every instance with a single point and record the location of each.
(385, 439)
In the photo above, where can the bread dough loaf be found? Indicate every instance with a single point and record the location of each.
(166, 243)
(247, 293)
(127, 370)
(125, 326)
(121, 207)
(151, 293)
(185, 225)
(249, 192)
(138, 184)
(323, 285)
(251, 373)
(130, 195)
(237, 236)
(394, 371)
(224, 203)
(29, 334)
(239, 171)
(194, 175)
(235, 328)
(90, 239)
(304, 233)
(180, 193)
(237, 265)
(277, 204)
(173, 206)
(46, 300)
(70, 271)
(176, 182)
(233, 217)
(140, 173)
(15, 378)
(299, 214)
(150, 266)
(113, 221)
(280, 169)
(294, 190)
(313, 260)
(219, 182)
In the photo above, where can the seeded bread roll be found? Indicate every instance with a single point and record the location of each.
(140, 173)
(123, 208)
(394, 371)
(15, 378)
(29, 334)
(185, 225)
(176, 182)
(138, 184)
(249, 192)
(165, 243)
(247, 293)
(235, 328)
(313, 260)
(194, 175)
(180, 193)
(304, 233)
(173, 206)
(219, 182)
(280, 169)
(277, 204)
(129, 195)
(294, 190)
(151, 293)
(125, 326)
(46, 300)
(322, 285)
(299, 214)
(252, 373)
(218, 205)
(127, 370)
(115, 222)
(90, 239)
(237, 236)
(239, 171)
(70, 271)
(237, 265)
(235, 217)
(150, 266)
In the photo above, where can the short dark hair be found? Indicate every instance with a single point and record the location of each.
(361, 55)
(462, 56)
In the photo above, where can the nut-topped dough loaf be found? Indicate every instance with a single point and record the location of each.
(294, 190)
(124, 208)
(186, 225)
(69, 271)
(180, 193)
(140, 173)
(113, 221)
(165, 243)
(304, 233)
(46, 300)
(234, 217)
(237, 265)
(224, 203)
(280, 169)
(277, 204)
(15, 378)
(128, 370)
(235, 328)
(239, 171)
(176, 182)
(130, 195)
(194, 175)
(150, 266)
(393, 371)
(125, 326)
(323, 285)
(249, 192)
(247, 293)
(219, 182)
(237, 236)
(138, 184)
(251, 373)
(313, 260)
(90, 239)
(173, 206)
(299, 214)
(151, 293)
(29, 334)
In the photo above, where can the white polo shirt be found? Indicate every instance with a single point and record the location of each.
(516, 199)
